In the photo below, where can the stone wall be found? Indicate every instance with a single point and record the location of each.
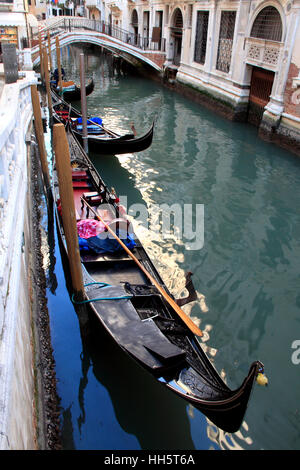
(16, 377)
(18, 430)
(28, 402)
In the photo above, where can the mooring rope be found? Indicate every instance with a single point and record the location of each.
(101, 284)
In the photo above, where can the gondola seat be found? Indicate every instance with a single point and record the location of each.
(62, 113)
(79, 174)
(80, 179)
(93, 199)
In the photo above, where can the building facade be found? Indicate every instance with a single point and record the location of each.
(37, 8)
(239, 57)
(95, 9)
(17, 24)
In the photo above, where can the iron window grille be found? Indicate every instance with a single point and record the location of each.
(225, 40)
(201, 36)
(267, 25)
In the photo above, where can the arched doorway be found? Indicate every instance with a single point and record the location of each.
(268, 26)
(135, 26)
(176, 35)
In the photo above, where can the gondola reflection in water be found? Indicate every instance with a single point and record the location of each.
(128, 296)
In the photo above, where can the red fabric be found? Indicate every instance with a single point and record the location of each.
(59, 207)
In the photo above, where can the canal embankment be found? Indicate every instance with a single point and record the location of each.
(283, 131)
(46, 407)
(28, 401)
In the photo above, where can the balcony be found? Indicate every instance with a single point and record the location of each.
(92, 3)
(115, 7)
(263, 53)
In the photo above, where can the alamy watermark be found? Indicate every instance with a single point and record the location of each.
(179, 222)
(296, 354)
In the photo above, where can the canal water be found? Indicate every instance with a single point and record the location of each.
(246, 273)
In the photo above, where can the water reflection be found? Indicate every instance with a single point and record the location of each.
(142, 407)
(48, 247)
(228, 441)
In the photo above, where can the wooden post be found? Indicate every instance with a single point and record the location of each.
(63, 166)
(83, 104)
(58, 63)
(47, 80)
(49, 51)
(39, 132)
(41, 57)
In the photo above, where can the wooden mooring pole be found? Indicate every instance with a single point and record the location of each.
(58, 63)
(47, 80)
(83, 104)
(39, 132)
(62, 160)
(41, 57)
(49, 51)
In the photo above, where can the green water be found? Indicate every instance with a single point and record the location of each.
(246, 274)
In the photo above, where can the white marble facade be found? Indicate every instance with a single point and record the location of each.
(235, 37)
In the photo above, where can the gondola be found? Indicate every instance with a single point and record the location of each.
(72, 92)
(132, 309)
(100, 140)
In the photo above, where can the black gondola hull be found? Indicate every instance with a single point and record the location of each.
(104, 143)
(118, 145)
(75, 95)
(144, 324)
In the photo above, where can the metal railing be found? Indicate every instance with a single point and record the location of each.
(130, 38)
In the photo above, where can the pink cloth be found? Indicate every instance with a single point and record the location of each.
(87, 228)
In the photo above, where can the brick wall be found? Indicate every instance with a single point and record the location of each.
(159, 59)
(292, 95)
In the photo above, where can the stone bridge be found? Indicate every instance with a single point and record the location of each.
(130, 46)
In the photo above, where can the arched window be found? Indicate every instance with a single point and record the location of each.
(134, 18)
(135, 25)
(176, 33)
(267, 25)
(177, 19)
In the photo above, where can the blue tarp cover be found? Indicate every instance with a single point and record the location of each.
(103, 243)
(95, 119)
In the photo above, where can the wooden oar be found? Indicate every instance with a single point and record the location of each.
(184, 317)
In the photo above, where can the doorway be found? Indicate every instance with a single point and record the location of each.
(260, 91)
(176, 35)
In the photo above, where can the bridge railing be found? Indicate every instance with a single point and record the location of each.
(72, 23)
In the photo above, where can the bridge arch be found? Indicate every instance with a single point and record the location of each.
(102, 40)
